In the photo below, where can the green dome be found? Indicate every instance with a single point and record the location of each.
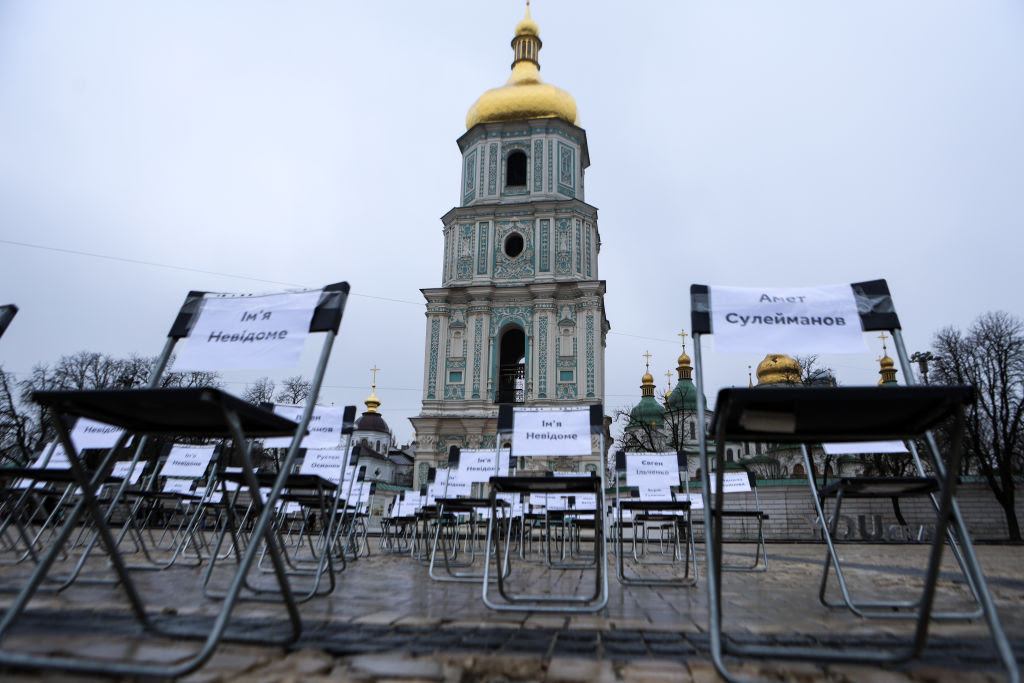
(684, 396)
(646, 412)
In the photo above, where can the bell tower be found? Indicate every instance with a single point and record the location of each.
(519, 316)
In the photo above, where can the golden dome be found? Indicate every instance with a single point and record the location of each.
(525, 95)
(372, 402)
(778, 368)
(647, 379)
(886, 362)
(528, 27)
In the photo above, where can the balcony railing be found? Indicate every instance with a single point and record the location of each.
(511, 384)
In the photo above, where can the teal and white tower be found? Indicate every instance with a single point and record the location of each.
(519, 316)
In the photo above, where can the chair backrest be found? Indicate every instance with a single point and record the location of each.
(7, 313)
(805, 320)
(184, 466)
(227, 331)
(562, 436)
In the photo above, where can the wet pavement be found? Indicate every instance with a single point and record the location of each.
(387, 620)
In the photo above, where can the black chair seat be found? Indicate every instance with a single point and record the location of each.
(468, 504)
(881, 487)
(581, 484)
(169, 412)
(834, 414)
(640, 505)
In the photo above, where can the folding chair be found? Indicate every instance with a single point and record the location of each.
(459, 513)
(652, 476)
(808, 415)
(736, 482)
(549, 433)
(216, 331)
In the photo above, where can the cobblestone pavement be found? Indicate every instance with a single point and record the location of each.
(387, 620)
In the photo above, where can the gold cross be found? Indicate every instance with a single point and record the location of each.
(668, 373)
(682, 334)
(647, 355)
(374, 369)
(883, 338)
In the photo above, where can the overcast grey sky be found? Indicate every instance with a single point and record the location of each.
(740, 143)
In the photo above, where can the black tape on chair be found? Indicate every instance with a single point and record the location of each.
(506, 418)
(328, 312)
(453, 457)
(187, 315)
(348, 420)
(700, 309)
(620, 460)
(874, 304)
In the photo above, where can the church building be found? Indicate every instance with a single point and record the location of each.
(519, 317)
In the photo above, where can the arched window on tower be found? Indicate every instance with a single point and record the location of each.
(515, 169)
(512, 367)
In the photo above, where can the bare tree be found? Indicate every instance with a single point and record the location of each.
(260, 391)
(24, 425)
(990, 356)
(15, 424)
(813, 374)
(294, 390)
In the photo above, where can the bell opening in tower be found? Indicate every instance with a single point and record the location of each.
(515, 169)
(512, 367)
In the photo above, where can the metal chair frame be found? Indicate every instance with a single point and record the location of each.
(201, 412)
(876, 313)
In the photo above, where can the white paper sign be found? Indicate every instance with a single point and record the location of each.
(244, 332)
(180, 486)
(478, 465)
(585, 501)
(121, 471)
(92, 434)
(652, 469)
(732, 482)
(696, 500)
(455, 488)
(555, 501)
(863, 447)
(58, 459)
(551, 432)
(795, 319)
(324, 427)
(659, 493)
(187, 461)
(324, 463)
